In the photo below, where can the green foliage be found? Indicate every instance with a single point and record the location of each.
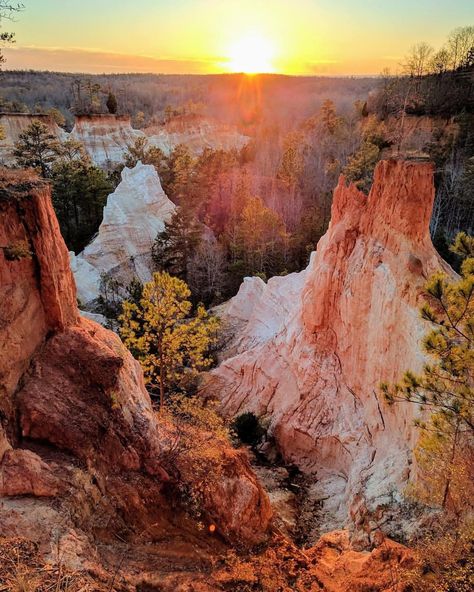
(248, 428)
(140, 151)
(175, 247)
(292, 162)
(111, 103)
(80, 192)
(86, 97)
(445, 388)
(172, 346)
(361, 165)
(17, 251)
(57, 116)
(259, 239)
(180, 174)
(36, 148)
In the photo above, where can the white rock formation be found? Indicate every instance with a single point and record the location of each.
(105, 137)
(259, 310)
(311, 361)
(134, 214)
(197, 133)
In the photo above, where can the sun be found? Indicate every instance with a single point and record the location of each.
(252, 54)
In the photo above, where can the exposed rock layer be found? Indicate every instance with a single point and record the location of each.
(82, 453)
(37, 293)
(134, 214)
(105, 137)
(13, 124)
(354, 324)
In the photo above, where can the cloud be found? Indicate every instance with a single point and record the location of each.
(98, 62)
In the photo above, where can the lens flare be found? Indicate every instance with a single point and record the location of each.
(252, 54)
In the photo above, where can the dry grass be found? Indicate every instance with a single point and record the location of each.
(21, 570)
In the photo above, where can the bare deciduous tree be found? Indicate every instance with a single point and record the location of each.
(418, 60)
(7, 11)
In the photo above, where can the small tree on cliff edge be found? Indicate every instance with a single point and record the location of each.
(172, 347)
(445, 451)
(111, 103)
(36, 148)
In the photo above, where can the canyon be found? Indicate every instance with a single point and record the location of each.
(310, 351)
(82, 452)
(84, 473)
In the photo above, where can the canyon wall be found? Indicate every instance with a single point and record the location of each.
(107, 137)
(83, 455)
(196, 133)
(351, 323)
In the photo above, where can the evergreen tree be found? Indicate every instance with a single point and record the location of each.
(259, 239)
(177, 244)
(36, 148)
(80, 192)
(445, 388)
(111, 103)
(172, 347)
(140, 151)
(361, 165)
(181, 172)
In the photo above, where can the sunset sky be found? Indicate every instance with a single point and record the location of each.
(206, 36)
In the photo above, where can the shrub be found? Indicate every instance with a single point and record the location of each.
(17, 251)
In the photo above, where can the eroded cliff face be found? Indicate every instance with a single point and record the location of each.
(13, 124)
(82, 453)
(107, 137)
(133, 216)
(197, 133)
(37, 294)
(354, 323)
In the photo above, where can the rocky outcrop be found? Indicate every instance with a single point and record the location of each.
(13, 124)
(196, 133)
(354, 324)
(134, 214)
(105, 137)
(84, 459)
(258, 311)
(37, 292)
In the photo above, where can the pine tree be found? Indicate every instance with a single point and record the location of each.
(181, 170)
(36, 148)
(111, 103)
(177, 244)
(172, 347)
(445, 388)
(79, 191)
(259, 239)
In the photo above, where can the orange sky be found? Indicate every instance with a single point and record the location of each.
(205, 36)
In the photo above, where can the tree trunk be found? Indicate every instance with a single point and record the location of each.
(451, 463)
(162, 380)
